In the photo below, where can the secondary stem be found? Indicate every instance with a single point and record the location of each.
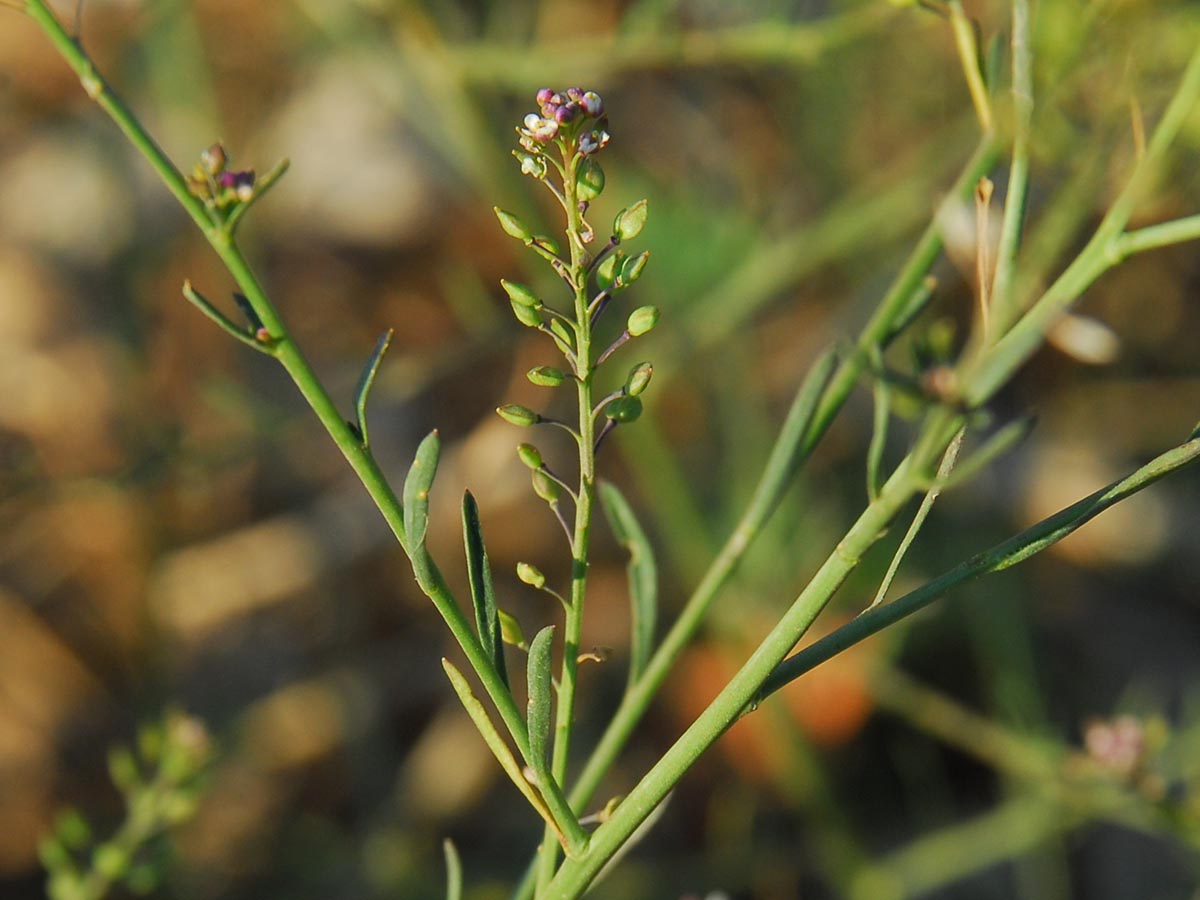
(585, 497)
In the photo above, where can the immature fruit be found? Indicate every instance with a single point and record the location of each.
(642, 320)
(518, 415)
(624, 409)
(629, 222)
(531, 575)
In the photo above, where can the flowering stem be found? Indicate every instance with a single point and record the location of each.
(287, 351)
(584, 497)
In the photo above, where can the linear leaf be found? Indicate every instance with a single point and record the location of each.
(416, 491)
(943, 473)
(479, 573)
(366, 380)
(495, 743)
(454, 876)
(643, 576)
(540, 700)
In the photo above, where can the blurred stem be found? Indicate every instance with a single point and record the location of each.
(1017, 193)
(983, 374)
(968, 54)
(289, 355)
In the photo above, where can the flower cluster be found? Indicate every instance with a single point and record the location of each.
(575, 117)
(213, 182)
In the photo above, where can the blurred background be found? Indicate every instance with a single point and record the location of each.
(175, 528)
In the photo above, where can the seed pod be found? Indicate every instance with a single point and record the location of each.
(546, 487)
(560, 330)
(590, 179)
(530, 456)
(639, 378)
(518, 415)
(545, 242)
(531, 575)
(606, 272)
(546, 376)
(631, 269)
(510, 629)
(630, 222)
(624, 409)
(529, 316)
(520, 293)
(513, 226)
(642, 320)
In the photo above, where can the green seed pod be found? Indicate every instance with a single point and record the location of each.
(510, 629)
(531, 575)
(630, 222)
(589, 179)
(606, 272)
(642, 320)
(546, 487)
(545, 242)
(632, 268)
(530, 456)
(563, 335)
(546, 376)
(518, 415)
(520, 293)
(529, 316)
(639, 378)
(624, 409)
(513, 226)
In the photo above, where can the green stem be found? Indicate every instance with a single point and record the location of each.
(575, 875)
(584, 500)
(1018, 172)
(802, 431)
(289, 355)
(1009, 553)
(982, 375)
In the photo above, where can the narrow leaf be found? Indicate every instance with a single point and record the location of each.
(643, 576)
(996, 446)
(366, 380)
(495, 743)
(416, 491)
(944, 469)
(454, 877)
(479, 573)
(540, 701)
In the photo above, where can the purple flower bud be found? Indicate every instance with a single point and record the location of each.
(593, 141)
(243, 185)
(543, 96)
(565, 114)
(227, 179)
(575, 94)
(592, 104)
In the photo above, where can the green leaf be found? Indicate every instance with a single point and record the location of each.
(479, 573)
(454, 876)
(416, 491)
(366, 380)
(540, 701)
(643, 576)
(496, 744)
